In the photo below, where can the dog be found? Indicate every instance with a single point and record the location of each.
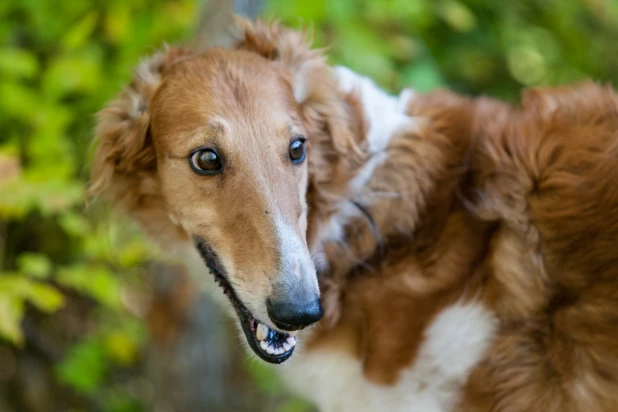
(451, 253)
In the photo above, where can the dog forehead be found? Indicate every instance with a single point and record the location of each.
(234, 90)
(227, 79)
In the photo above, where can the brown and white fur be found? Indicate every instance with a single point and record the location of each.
(466, 250)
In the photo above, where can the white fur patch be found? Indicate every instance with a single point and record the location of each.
(297, 266)
(301, 87)
(454, 343)
(385, 115)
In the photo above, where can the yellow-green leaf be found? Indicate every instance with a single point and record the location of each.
(83, 367)
(45, 297)
(11, 314)
(79, 34)
(18, 63)
(96, 282)
(34, 264)
(121, 347)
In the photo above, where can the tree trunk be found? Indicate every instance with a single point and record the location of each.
(215, 23)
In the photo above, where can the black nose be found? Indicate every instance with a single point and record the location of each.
(294, 316)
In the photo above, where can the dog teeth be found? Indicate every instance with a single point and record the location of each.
(262, 332)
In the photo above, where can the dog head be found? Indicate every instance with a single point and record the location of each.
(214, 148)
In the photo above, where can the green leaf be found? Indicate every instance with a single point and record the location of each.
(80, 33)
(18, 63)
(121, 347)
(527, 65)
(74, 224)
(11, 314)
(68, 74)
(46, 298)
(22, 195)
(84, 367)
(458, 16)
(14, 291)
(16, 200)
(94, 281)
(117, 22)
(18, 101)
(34, 264)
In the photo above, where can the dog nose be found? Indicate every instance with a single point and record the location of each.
(293, 316)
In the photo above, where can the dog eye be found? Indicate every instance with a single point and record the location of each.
(298, 150)
(206, 162)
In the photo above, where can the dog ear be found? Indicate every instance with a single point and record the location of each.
(124, 163)
(312, 80)
(291, 48)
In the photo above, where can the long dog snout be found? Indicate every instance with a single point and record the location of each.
(295, 303)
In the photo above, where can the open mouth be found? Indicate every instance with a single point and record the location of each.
(270, 345)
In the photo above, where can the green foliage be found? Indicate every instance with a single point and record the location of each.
(473, 46)
(15, 291)
(85, 356)
(34, 264)
(59, 63)
(98, 282)
(98, 354)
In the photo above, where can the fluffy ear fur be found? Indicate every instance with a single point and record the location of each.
(124, 163)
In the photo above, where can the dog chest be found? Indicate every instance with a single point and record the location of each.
(454, 343)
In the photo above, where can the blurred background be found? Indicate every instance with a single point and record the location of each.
(92, 318)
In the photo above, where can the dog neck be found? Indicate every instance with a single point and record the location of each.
(396, 196)
(350, 198)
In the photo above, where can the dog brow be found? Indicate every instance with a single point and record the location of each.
(216, 127)
(293, 128)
